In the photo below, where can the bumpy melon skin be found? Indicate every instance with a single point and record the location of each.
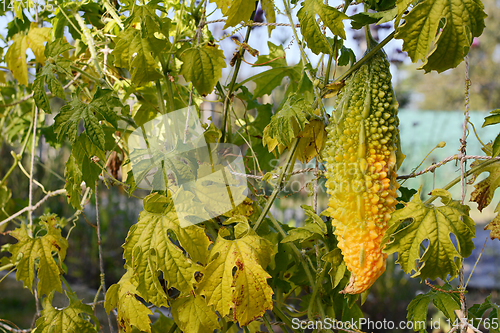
(361, 162)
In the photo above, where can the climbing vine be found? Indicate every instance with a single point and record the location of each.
(124, 87)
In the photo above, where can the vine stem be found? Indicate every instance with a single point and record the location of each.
(267, 322)
(90, 41)
(300, 258)
(30, 204)
(457, 180)
(198, 37)
(102, 285)
(230, 91)
(463, 188)
(38, 204)
(30, 193)
(279, 184)
(111, 10)
(367, 56)
(305, 60)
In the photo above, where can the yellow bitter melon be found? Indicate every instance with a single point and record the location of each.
(362, 154)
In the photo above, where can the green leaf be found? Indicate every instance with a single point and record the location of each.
(193, 315)
(493, 119)
(47, 76)
(440, 32)
(275, 58)
(304, 234)
(102, 105)
(288, 122)
(29, 250)
(57, 47)
(235, 10)
(137, 54)
(496, 146)
(270, 79)
(74, 179)
(268, 7)
(310, 28)
(83, 150)
(149, 249)
(380, 5)
(246, 292)
(478, 311)
(447, 303)
(434, 224)
(313, 217)
(71, 319)
(131, 312)
(359, 20)
(346, 56)
(203, 67)
(162, 324)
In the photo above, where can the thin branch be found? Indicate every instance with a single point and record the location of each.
(90, 41)
(112, 11)
(14, 330)
(101, 260)
(30, 204)
(463, 188)
(446, 160)
(38, 204)
(33, 147)
(477, 261)
(197, 35)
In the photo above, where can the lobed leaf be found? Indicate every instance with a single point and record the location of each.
(203, 67)
(235, 10)
(38, 250)
(150, 249)
(447, 303)
(131, 312)
(441, 32)
(71, 319)
(434, 225)
(193, 315)
(331, 17)
(102, 105)
(247, 292)
(287, 123)
(137, 54)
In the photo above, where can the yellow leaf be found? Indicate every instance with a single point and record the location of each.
(271, 142)
(247, 292)
(312, 139)
(16, 58)
(36, 37)
(131, 311)
(494, 227)
(245, 209)
(193, 315)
